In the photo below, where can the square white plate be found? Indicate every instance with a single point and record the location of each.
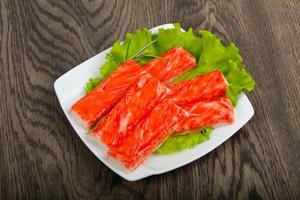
(71, 86)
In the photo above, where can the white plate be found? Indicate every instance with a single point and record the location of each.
(70, 87)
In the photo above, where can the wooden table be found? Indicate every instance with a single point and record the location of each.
(42, 157)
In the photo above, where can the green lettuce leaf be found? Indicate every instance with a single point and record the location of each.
(180, 142)
(121, 51)
(92, 83)
(215, 56)
(238, 79)
(169, 38)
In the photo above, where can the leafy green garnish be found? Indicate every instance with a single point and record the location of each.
(180, 142)
(215, 56)
(92, 83)
(132, 44)
(209, 52)
(238, 79)
(170, 38)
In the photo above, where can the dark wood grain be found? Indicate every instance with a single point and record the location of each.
(42, 158)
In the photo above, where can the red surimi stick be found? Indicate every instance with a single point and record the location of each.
(207, 86)
(144, 139)
(207, 113)
(171, 64)
(141, 98)
(99, 101)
